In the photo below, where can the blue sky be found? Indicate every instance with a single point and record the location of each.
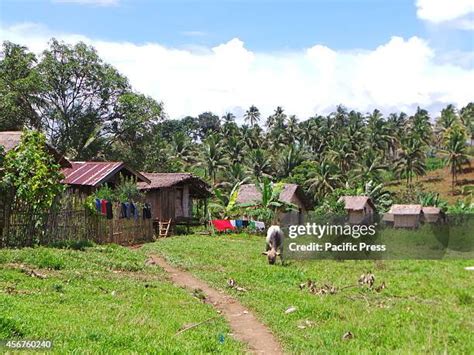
(262, 24)
(436, 34)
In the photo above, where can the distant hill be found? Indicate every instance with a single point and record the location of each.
(439, 181)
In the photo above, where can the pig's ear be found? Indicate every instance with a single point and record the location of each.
(264, 252)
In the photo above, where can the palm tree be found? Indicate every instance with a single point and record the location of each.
(213, 158)
(252, 116)
(411, 160)
(181, 148)
(467, 118)
(259, 163)
(235, 149)
(419, 126)
(324, 180)
(369, 167)
(455, 150)
(289, 158)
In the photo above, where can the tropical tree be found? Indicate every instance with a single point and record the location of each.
(252, 116)
(455, 150)
(411, 160)
(259, 164)
(213, 157)
(324, 180)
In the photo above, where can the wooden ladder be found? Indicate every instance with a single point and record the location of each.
(164, 228)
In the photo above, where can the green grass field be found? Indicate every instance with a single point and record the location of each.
(105, 299)
(427, 306)
(102, 300)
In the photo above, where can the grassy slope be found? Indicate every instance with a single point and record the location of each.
(427, 306)
(102, 300)
(439, 181)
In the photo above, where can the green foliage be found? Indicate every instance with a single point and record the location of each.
(125, 190)
(33, 175)
(434, 163)
(462, 207)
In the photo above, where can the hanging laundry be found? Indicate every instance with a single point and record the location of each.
(147, 211)
(132, 209)
(260, 225)
(245, 223)
(135, 211)
(232, 221)
(222, 225)
(103, 207)
(252, 225)
(123, 210)
(108, 210)
(98, 206)
(239, 223)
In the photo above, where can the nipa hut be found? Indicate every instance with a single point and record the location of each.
(359, 208)
(291, 193)
(432, 214)
(173, 195)
(406, 216)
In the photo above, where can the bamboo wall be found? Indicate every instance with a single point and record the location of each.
(69, 220)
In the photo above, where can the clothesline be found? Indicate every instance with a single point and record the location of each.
(127, 209)
(233, 224)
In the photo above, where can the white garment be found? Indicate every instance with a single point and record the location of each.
(259, 225)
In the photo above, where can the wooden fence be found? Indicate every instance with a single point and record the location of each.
(68, 221)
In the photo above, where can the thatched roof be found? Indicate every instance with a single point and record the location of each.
(11, 139)
(248, 193)
(431, 210)
(405, 209)
(198, 187)
(356, 203)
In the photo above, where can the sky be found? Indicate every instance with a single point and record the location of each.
(306, 56)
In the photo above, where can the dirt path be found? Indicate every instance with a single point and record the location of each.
(245, 327)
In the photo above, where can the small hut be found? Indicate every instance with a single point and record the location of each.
(406, 216)
(432, 214)
(173, 195)
(291, 193)
(87, 176)
(359, 208)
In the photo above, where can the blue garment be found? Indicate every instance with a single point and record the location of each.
(127, 210)
(134, 210)
(98, 207)
(239, 223)
(123, 210)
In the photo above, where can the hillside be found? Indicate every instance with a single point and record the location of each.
(439, 181)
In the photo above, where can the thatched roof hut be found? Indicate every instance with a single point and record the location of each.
(407, 216)
(291, 193)
(171, 194)
(359, 208)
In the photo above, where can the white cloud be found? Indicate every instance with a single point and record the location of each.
(90, 2)
(398, 75)
(458, 13)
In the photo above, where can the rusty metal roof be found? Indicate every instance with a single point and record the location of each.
(92, 173)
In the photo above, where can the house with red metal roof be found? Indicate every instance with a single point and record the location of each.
(88, 176)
